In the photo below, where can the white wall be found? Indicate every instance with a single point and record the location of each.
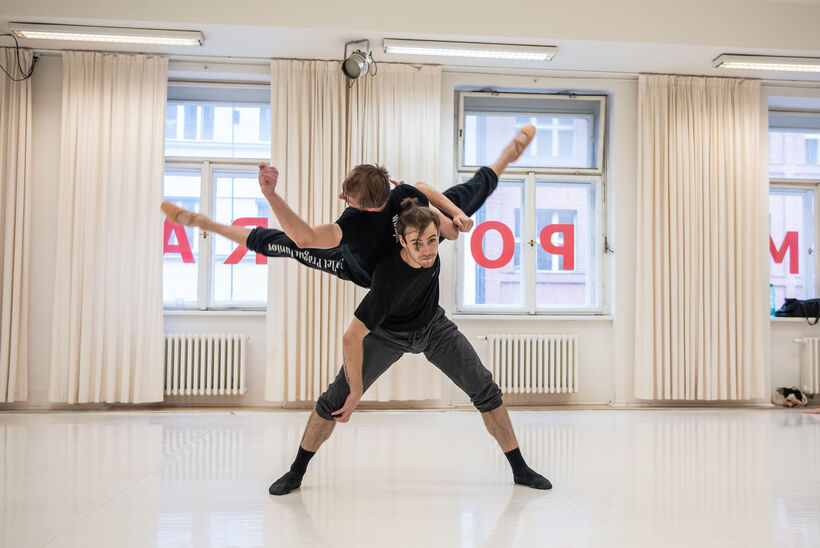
(607, 344)
(774, 24)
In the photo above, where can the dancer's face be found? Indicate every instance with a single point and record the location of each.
(421, 245)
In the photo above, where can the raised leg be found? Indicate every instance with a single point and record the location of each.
(470, 195)
(514, 150)
(178, 215)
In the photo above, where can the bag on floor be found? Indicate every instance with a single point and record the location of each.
(797, 308)
(788, 396)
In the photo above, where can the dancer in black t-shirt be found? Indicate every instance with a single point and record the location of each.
(352, 246)
(401, 314)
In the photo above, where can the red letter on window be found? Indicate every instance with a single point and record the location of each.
(507, 246)
(567, 250)
(182, 246)
(789, 244)
(240, 251)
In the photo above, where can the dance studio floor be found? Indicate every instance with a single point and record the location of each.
(658, 478)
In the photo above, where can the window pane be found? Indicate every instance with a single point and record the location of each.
(237, 199)
(791, 221)
(794, 154)
(560, 140)
(499, 282)
(565, 241)
(181, 244)
(217, 130)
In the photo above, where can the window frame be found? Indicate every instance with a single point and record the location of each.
(205, 274)
(214, 103)
(797, 120)
(596, 176)
(810, 224)
(529, 252)
(240, 95)
(599, 129)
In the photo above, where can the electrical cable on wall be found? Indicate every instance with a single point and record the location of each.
(27, 74)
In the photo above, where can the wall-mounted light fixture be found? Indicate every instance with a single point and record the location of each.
(767, 62)
(469, 49)
(358, 63)
(40, 31)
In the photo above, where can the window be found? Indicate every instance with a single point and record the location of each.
(794, 141)
(812, 144)
(791, 243)
(566, 129)
(794, 173)
(535, 246)
(214, 139)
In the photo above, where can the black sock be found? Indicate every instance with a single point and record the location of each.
(303, 457)
(523, 474)
(292, 479)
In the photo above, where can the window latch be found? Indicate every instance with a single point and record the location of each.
(531, 243)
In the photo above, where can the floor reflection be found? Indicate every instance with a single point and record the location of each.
(622, 478)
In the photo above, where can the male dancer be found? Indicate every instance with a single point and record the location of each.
(401, 314)
(351, 247)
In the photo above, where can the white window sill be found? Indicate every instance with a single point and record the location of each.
(792, 320)
(215, 313)
(531, 317)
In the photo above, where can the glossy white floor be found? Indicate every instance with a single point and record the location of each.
(411, 478)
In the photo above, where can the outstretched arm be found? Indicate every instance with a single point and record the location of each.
(303, 234)
(352, 348)
(462, 222)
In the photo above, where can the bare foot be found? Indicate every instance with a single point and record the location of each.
(180, 216)
(268, 175)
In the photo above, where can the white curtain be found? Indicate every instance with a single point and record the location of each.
(321, 130)
(308, 311)
(395, 122)
(702, 267)
(15, 217)
(107, 322)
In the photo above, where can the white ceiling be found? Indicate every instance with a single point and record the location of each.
(650, 48)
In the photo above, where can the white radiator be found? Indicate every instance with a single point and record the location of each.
(809, 364)
(539, 364)
(205, 364)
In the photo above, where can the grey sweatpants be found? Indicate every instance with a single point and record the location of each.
(442, 344)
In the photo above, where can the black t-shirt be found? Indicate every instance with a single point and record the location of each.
(370, 235)
(401, 298)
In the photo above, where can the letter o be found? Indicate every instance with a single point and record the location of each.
(507, 247)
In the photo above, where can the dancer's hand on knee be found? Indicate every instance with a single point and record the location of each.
(343, 414)
(463, 222)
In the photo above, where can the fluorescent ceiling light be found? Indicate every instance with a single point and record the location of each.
(768, 62)
(107, 34)
(469, 49)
